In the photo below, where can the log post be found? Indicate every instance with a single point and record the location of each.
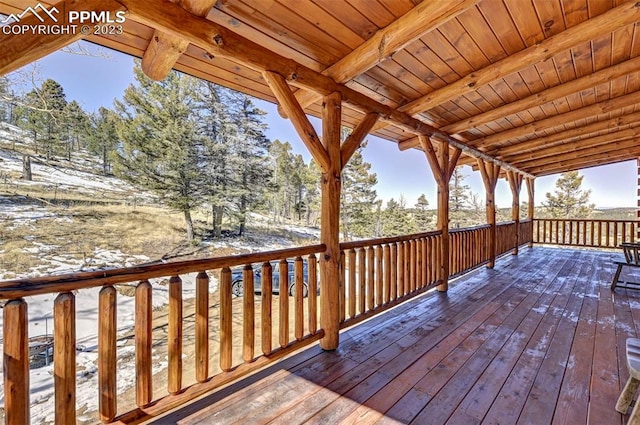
(64, 358)
(330, 219)
(531, 207)
(144, 341)
(107, 359)
(16, 362)
(174, 344)
(490, 173)
(515, 183)
(202, 326)
(442, 167)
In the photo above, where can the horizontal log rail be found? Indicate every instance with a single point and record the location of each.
(378, 274)
(590, 233)
(231, 331)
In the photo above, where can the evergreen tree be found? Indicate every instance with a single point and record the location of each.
(77, 124)
(569, 200)
(421, 214)
(103, 139)
(251, 168)
(42, 114)
(160, 142)
(397, 220)
(458, 198)
(5, 99)
(357, 196)
(219, 130)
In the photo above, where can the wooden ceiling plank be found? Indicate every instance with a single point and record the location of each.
(548, 95)
(217, 40)
(386, 42)
(164, 49)
(555, 121)
(24, 47)
(626, 14)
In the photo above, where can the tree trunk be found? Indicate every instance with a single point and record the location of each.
(104, 161)
(243, 215)
(26, 168)
(217, 220)
(189, 223)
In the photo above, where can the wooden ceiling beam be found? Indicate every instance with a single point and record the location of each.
(586, 162)
(548, 95)
(585, 150)
(500, 139)
(24, 47)
(164, 49)
(623, 15)
(219, 41)
(423, 18)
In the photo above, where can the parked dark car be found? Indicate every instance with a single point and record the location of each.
(237, 279)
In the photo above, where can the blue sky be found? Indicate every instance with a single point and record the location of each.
(96, 81)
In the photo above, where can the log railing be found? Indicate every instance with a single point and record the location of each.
(380, 273)
(469, 248)
(584, 232)
(227, 340)
(225, 332)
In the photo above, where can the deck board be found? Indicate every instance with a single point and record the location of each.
(537, 340)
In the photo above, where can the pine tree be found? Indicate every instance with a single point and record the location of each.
(160, 142)
(252, 173)
(422, 217)
(357, 196)
(568, 200)
(5, 99)
(42, 114)
(397, 220)
(458, 198)
(103, 139)
(76, 123)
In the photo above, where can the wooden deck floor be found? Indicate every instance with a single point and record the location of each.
(538, 340)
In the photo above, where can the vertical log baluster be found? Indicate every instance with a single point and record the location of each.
(615, 233)
(248, 315)
(386, 266)
(343, 287)
(16, 362)
(283, 327)
(413, 262)
(298, 267)
(313, 294)
(608, 227)
(226, 320)
(174, 345)
(202, 326)
(144, 338)
(107, 329)
(371, 268)
(362, 279)
(351, 259)
(393, 269)
(64, 357)
(400, 281)
(266, 297)
(407, 268)
(379, 275)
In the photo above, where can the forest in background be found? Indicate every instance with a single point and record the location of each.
(201, 148)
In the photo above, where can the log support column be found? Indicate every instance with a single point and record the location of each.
(515, 183)
(490, 173)
(530, 213)
(442, 165)
(331, 157)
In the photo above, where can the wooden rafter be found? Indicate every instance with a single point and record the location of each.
(418, 21)
(548, 95)
(627, 13)
(24, 47)
(585, 162)
(217, 40)
(502, 138)
(577, 146)
(628, 143)
(305, 130)
(165, 49)
(351, 144)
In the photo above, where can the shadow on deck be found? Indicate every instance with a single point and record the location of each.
(537, 340)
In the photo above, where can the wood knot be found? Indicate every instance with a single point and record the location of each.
(217, 39)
